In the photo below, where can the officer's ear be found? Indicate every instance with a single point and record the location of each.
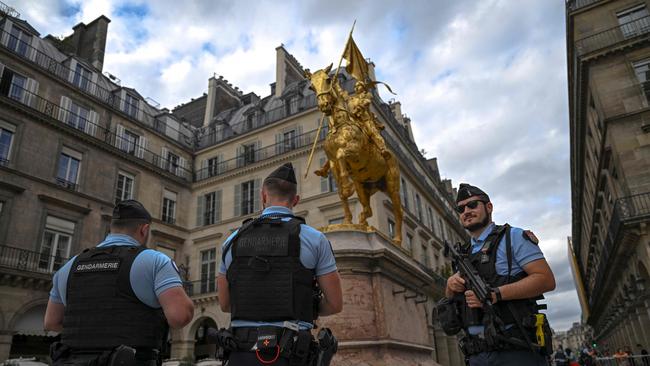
(296, 199)
(489, 207)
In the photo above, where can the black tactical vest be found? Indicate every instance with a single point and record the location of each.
(266, 278)
(484, 261)
(102, 311)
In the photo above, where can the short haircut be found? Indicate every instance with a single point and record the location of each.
(128, 225)
(280, 189)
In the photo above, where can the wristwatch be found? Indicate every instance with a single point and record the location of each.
(497, 292)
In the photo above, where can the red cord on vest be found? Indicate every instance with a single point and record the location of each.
(277, 355)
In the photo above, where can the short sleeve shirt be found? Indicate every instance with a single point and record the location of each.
(151, 274)
(315, 253)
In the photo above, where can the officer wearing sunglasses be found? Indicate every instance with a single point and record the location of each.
(511, 262)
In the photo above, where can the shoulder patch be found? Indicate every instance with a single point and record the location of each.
(528, 235)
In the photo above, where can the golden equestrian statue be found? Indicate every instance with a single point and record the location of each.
(356, 151)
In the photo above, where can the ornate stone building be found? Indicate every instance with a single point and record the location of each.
(73, 141)
(608, 53)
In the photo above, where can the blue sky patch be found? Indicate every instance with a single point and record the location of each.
(70, 10)
(131, 10)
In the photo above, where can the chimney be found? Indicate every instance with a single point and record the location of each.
(89, 41)
(210, 103)
(280, 69)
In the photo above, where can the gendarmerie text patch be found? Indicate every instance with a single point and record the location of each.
(98, 266)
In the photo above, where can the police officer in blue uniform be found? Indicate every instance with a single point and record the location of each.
(511, 262)
(267, 276)
(113, 303)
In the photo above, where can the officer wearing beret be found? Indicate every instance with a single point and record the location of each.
(511, 262)
(266, 278)
(115, 301)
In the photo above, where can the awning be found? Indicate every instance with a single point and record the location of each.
(31, 323)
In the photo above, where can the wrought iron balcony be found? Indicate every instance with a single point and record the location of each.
(201, 287)
(66, 184)
(628, 33)
(94, 130)
(267, 152)
(86, 85)
(29, 261)
(626, 211)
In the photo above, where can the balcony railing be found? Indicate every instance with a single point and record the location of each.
(66, 184)
(267, 152)
(94, 130)
(631, 31)
(574, 5)
(26, 260)
(201, 287)
(86, 85)
(627, 210)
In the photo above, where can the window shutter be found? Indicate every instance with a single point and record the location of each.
(34, 48)
(324, 181)
(240, 157)
(181, 168)
(299, 137)
(203, 172)
(140, 114)
(73, 68)
(64, 109)
(163, 158)
(142, 145)
(217, 207)
(258, 151)
(30, 97)
(237, 212)
(119, 137)
(199, 210)
(122, 99)
(278, 144)
(221, 165)
(2, 69)
(256, 196)
(93, 119)
(7, 31)
(93, 85)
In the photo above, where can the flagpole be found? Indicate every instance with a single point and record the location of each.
(320, 125)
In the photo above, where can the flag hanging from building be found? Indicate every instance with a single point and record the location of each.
(357, 65)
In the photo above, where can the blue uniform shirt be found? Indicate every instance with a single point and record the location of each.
(315, 253)
(152, 273)
(523, 252)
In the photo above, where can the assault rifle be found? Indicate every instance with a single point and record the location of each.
(483, 292)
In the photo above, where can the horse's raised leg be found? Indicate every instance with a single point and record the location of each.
(393, 189)
(345, 189)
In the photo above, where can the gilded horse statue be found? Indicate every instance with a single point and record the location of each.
(356, 161)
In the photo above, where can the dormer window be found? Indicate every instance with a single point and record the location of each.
(82, 77)
(19, 41)
(131, 105)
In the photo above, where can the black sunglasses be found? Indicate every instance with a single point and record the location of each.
(471, 204)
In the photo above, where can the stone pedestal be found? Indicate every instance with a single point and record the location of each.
(386, 298)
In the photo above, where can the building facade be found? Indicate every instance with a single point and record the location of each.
(608, 54)
(73, 141)
(576, 338)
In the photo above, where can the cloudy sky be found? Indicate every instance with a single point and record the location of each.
(484, 82)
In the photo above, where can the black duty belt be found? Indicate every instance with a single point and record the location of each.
(246, 337)
(473, 344)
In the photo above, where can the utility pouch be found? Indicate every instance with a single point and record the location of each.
(58, 351)
(327, 347)
(267, 338)
(122, 356)
(448, 316)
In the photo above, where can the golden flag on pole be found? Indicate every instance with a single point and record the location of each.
(357, 65)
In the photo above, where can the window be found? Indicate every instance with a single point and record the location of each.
(248, 154)
(169, 207)
(55, 246)
(247, 198)
(6, 139)
(418, 207)
(19, 41)
(210, 207)
(124, 189)
(405, 194)
(18, 86)
(78, 116)
(430, 218)
(641, 69)
(208, 210)
(409, 242)
(391, 228)
(130, 142)
(213, 167)
(338, 220)
(208, 270)
(289, 141)
(82, 77)
(68, 170)
(327, 184)
(131, 105)
(425, 255)
(634, 21)
(172, 162)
